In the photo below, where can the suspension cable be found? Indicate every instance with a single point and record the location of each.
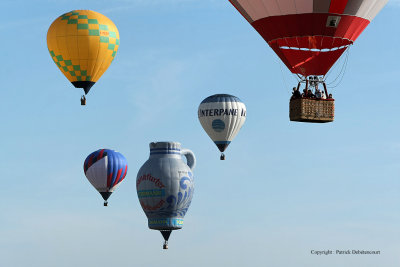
(337, 64)
(343, 67)
(342, 72)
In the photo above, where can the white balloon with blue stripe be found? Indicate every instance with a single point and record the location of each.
(222, 116)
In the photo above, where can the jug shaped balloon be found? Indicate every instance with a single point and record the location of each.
(222, 116)
(105, 169)
(83, 43)
(165, 186)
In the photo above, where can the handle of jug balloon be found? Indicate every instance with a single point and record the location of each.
(190, 158)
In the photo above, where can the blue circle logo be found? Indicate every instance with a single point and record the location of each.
(218, 125)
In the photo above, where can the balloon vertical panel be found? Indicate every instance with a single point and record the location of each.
(97, 175)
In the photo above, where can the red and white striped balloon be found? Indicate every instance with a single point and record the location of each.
(309, 36)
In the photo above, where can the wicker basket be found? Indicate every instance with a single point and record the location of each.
(312, 110)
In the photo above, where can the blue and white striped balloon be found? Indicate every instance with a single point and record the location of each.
(222, 116)
(105, 169)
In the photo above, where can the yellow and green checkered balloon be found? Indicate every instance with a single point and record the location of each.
(83, 43)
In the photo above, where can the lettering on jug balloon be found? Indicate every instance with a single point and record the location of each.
(158, 222)
(104, 33)
(156, 207)
(221, 112)
(150, 178)
(151, 193)
(166, 222)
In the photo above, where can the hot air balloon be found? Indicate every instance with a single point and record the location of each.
(83, 43)
(222, 116)
(105, 169)
(309, 36)
(165, 187)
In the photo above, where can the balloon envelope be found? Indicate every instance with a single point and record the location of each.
(83, 43)
(222, 116)
(165, 185)
(105, 169)
(309, 35)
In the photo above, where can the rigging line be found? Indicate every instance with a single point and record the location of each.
(334, 67)
(342, 69)
(332, 85)
(337, 63)
(338, 83)
(330, 71)
(299, 78)
(345, 66)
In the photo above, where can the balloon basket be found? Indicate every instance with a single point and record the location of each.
(312, 110)
(222, 156)
(105, 204)
(83, 100)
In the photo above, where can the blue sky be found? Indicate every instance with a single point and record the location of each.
(285, 188)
